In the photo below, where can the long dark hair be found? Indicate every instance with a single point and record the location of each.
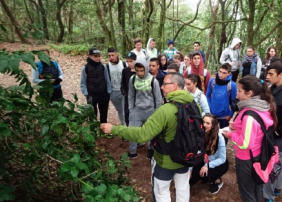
(195, 79)
(212, 136)
(250, 82)
(162, 67)
(267, 58)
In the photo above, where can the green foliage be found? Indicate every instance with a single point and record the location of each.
(71, 49)
(49, 148)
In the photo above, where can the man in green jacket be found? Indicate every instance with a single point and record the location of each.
(164, 120)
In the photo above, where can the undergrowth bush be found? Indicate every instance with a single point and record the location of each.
(78, 49)
(48, 151)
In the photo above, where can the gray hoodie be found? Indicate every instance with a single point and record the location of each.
(144, 99)
(230, 55)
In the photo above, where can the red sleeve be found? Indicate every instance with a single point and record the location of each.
(185, 73)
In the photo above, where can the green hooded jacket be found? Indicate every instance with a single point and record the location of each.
(163, 119)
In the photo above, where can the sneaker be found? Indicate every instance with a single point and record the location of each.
(132, 156)
(124, 140)
(277, 192)
(150, 154)
(268, 200)
(215, 187)
(140, 145)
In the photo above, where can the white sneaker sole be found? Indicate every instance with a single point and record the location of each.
(219, 187)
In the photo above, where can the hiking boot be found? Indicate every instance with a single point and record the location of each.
(150, 154)
(215, 187)
(140, 145)
(277, 192)
(132, 156)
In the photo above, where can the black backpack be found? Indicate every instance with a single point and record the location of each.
(188, 146)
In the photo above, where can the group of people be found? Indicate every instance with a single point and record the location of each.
(142, 90)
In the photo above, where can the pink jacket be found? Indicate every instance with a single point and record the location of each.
(249, 134)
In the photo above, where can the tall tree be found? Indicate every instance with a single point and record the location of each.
(13, 21)
(59, 19)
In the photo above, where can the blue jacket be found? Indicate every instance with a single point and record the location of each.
(218, 98)
(219, 157)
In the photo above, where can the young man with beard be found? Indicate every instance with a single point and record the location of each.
(115, 67)
(95, 84)
(221, 91)
(274, 76)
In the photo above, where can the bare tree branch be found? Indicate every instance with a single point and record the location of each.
(267, 35)
(169, 4)
(262, 18)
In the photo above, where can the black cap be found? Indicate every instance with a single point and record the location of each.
(131, 55)
(94, 51)
(111, 50)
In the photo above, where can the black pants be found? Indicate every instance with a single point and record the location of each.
(57, 93)
(213, 173)
(235, 75)
(102, 100)
(126, 110)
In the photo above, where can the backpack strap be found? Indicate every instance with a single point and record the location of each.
(189, 71)
(213, 84)
(205, 72)
(124, 64)
(199, 97)
(108, 68)
(133, 80)
(152, 87)
(256, 117)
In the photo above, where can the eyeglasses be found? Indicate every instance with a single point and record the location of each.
(166, 84)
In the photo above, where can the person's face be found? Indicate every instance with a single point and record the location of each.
(242, 94)
(163, 60)
(223, 74)
(170, 46)
(196, 60)
(130, 63)
(140, 71)
(113, 56)
(154, 67)
(138, 46)
(273, 78)
(190, 85)
(177, 61)
(207, 122)
(272, 52)
(153, 44)
(187, 61)
(250, 52)
(237, 46)
(95, 58)
(168, 86)
(196, 47)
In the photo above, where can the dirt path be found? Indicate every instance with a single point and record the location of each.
(140, 172)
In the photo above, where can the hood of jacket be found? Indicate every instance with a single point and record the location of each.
(181, 96)
(144, 63)
(234, 42)
(148, 44)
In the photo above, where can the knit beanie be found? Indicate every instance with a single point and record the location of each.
(170, 42)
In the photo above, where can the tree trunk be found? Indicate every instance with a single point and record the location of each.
(214, 11)
(28, 13)
(121, 20)
(161, 43)
(250, 25)
(223, 29)
(112, 35)
(44, 19)
(13, 21)
(59, 19)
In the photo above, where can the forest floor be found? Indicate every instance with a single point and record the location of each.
(141, 169)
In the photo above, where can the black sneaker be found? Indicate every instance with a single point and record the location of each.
(132, 156)
(140, 145)
(215, 187)
(124, 140)
(150, 154)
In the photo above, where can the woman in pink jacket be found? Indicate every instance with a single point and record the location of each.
(253, 95)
